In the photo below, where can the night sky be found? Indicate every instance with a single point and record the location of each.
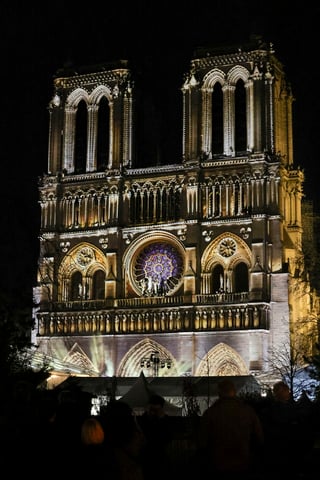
(159, 39)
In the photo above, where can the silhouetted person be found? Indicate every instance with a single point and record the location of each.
(156, 426)
(230, 431)
(125, 438)
(283, 426)
(94, 453)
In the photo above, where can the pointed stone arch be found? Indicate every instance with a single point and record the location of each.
(71, 261)
(211, 255)
(76, 96)
(98, 93)
(212, 77)
(222, 360)
(236, 73)
(130, 365)
(77, 357)
(85, 259)
(226, 251)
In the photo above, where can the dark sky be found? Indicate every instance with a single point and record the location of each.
(159, 39)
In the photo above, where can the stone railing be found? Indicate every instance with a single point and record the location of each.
(136, 302)
(180, 314)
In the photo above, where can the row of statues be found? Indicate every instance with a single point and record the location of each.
(154, 286)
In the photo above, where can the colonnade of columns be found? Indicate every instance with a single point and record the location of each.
(232, 197)
(86, 210)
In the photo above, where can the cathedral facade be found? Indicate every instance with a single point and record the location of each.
(187, 268)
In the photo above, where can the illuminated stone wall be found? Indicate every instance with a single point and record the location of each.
(195, 260)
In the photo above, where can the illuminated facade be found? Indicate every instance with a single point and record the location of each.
(194, 260)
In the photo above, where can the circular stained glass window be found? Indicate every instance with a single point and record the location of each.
(158, 269)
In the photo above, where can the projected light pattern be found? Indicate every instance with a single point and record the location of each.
(158, 269)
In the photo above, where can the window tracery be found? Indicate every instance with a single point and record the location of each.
(158, 269)
(227, 247)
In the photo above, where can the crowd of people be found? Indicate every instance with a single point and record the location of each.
(234, 438)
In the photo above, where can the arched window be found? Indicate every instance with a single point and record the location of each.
(217, 119)
(76, 286)
(95, 208)
(103, 209)
(217, 279)
(80, 152)
(171, 204)
(103, 135)
(158, 205)
(138, 203)
(240, 118)
(145, 204)
(236, 199)
(98, 285)
(76, 211)
(217, 200)
(241, 278)
(177, 205)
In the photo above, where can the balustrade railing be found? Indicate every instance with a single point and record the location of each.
(179, 315)
(109, 303)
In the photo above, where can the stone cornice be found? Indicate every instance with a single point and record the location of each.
(94, 79)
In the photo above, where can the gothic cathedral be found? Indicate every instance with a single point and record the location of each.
(192, 263)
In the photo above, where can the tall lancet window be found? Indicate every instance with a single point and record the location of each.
(241, 280)
(103, 140)
(217, 120)
(218, 279)
(240, 118)
(76, 286)
(80, 148)
(98, 282)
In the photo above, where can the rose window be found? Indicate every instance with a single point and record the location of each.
(227, 247)
(158, 269)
